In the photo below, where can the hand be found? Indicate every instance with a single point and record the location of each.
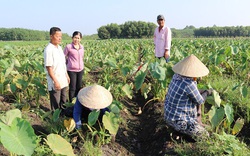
(209, 91)
(166, 54)
(57, 85)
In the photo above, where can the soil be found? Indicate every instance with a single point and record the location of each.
(140, 134)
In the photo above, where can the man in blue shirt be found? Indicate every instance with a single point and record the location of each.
(183, 100)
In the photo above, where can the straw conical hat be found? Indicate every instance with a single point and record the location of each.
(95, 97)
(191, 66)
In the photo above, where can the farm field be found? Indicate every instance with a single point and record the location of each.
(138, 83)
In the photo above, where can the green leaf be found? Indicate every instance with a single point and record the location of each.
(125, 70)
(8, 70)
(214, 99)
(243, 91)
(216, 115)
(220, 58)
(127, 89)
(139, 79)
(11, 115)
(229, 113)
(110, 122)
(238, 126)
(114, 108)
(157, 71)
(13, 88)
(59, 145)
(16, 63)
(56, 115)
(93, 117)
(112, 62)
(19, 137)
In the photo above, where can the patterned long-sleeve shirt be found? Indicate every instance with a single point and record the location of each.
(182, 98)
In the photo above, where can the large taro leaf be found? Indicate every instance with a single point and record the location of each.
(157, 71)
(59, 145)
(214, 99)
(110, 122)
(139, 79)
(127, 89)
(19, 137)
(11, 115)
(93, 117)
(238, 126)
(216, 115)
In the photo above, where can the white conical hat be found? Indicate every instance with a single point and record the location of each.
(191, 66)
(95, 97)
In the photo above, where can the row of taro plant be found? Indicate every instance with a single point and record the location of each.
(225, 58)
(23, 82)
(129, 66)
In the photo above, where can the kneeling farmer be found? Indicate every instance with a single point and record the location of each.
(183, 100)
(91, 98)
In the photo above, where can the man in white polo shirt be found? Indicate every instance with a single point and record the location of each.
(162, 39)
(56, 72)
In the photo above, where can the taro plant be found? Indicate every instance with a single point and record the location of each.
(59, 145)
(16, 134)
(222, 115)
(153, 78)
(109, 125)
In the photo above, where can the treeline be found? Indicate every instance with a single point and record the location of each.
(133, 29)
(20, 34)
(238, 31)
(130, 29)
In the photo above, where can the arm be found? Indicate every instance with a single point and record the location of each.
(53, 77)
(168, 39)
(77, 113)
(194, 94)
(66, 52)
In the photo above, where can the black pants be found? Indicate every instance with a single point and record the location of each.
(57, 98)
(75, 83)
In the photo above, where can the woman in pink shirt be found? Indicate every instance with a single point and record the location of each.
(74, 54)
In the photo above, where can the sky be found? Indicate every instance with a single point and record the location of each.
(87, 16)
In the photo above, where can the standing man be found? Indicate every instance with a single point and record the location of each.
(162, 39)
(56, 72)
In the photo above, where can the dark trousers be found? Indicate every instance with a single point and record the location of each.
(75, 83)
(58, 98)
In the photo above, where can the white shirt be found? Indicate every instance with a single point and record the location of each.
(54, 57)
(162, 41)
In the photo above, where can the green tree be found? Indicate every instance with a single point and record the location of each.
(103, 33)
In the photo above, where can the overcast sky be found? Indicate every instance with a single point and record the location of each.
(88, 15)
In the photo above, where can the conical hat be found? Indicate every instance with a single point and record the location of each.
(191, 66)
(95, 97)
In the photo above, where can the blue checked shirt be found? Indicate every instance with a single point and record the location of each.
(182, 98)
